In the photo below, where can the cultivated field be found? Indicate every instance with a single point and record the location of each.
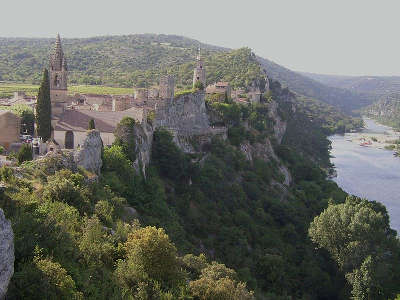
(7, 89)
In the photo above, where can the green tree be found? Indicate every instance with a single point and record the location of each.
(150, 255)
(199, 85)
(25, 153)
(125, 137)
(43, 108)
(217, 282)
(358, 236)
(91, 125)
(169, 159)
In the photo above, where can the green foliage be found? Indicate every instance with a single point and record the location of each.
(357, 235)
(199, 85)
(25, 153)
(125, 137)
(218, 282)
(169, 159)
(1, 150)
(329, 118)
(149, 254)
(43, 108)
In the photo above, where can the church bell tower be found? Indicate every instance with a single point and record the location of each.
(58, 79)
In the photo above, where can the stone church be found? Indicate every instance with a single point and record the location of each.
(70, 124)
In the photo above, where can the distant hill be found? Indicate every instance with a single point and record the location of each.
(374, 86)
(346, 100)
(124, 61)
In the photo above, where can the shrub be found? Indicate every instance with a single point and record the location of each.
(25, 153)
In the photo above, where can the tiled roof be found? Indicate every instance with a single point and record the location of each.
(105, 121)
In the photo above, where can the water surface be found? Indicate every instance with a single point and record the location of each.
(369, 172)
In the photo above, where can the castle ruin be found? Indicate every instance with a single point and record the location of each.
(199, 73)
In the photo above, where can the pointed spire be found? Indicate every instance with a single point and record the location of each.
(57, 60)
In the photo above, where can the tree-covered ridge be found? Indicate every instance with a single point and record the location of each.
(331, 119)
(386, 110)
(108, 60)
(374, 86)
(346, 100)
(125, 61)
(77, 238)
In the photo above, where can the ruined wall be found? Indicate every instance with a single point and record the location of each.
(185, 117)
(9, 128)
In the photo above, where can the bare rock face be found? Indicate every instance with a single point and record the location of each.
(185, 117)
(89, 155)
(280, 125)
(6, 254)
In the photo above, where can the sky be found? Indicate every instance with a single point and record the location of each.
(343, 37)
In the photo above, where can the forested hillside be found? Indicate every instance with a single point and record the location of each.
(138, 60)
(226, 218)
(343, 99)
(386, 110)
(374, 86)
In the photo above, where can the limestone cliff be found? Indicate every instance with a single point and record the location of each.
(89, 155)
(188, 119)
(185, 117)
(6, 253)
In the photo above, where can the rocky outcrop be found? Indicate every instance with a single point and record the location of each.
(280, 125)
(186, 117)
(144, 139)
(6, 254)
(89, 155)
(265, 152)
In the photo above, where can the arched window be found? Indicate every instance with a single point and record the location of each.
(57, 81)
(69, 140)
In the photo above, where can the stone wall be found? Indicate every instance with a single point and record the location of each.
(9, 128)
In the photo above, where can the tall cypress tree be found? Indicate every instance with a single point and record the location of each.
(43, 108)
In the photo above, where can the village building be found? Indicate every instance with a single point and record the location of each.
(71, 128)
(10, 129)
(223, 88)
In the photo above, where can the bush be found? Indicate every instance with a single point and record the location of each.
(125, 137)
(25, 153)
(171, 161)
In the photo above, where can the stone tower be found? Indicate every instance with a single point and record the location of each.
(58, 78)
(199, 71)
(167, 85)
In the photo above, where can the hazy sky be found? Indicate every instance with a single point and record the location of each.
(349, 37)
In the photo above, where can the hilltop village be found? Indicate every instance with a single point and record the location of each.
(72, 113)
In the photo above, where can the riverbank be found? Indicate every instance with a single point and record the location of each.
(369, 172)
(374, 135)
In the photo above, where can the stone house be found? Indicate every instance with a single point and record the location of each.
(219, 88)
(70, 130)
(9, 128)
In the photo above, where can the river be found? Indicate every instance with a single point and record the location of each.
(369, 172)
